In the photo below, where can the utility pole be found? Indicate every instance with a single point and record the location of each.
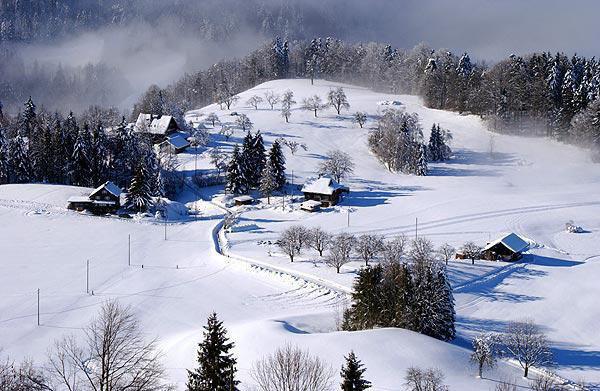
(348, 212)
(165, 227)
(38, 306)
(87, 277)
(416, 227)
(292, 179)
(129, 250)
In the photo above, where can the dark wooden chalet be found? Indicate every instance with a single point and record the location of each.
(507, 248)
(325, 190)
(104, 199)
(158, 127)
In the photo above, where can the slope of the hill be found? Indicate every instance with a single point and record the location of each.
(492, 185)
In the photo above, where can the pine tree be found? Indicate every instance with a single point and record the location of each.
(366, 308)
(268, 183)
(27, 119)
(352, 375)
(236, 183)
(138, 194)
(20, 165)
(4, 169)
(80, 163)
(216, 364)
(277, 161)
(421, 161)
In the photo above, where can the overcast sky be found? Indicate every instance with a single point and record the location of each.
(489, 29)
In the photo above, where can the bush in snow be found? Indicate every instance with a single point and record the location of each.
(337, 164)
(572, 228)
(291, 369)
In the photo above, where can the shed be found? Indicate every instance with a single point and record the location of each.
(106, 198)
(311, 205)
(243, 200)
(174, 143)
(325, 190)
(509, 247)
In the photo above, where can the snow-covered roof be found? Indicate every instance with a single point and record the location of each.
(512, 241)
(110, 187)
(310, 204)
(178, 141)
(79, 199)
(243, 198)
(155, 124)
(323, 185)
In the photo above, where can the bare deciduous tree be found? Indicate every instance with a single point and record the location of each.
(292, 369)
(421, 250)
(291, 144)
(254, 101)
(506, 386)
(527, 344)
(368, 246)
(340, 250)
(359, 118)
(338, 100)
(22, 377)
(471, 251)
(287, 101)
(243, 122)
(484, 352)
(393, 249)
(446, 251)
(212, 118)
(272, 98)
(545, 382)
(418, 379)
(314, 104)
(318, 239)
(114, 355)
(292, 240)
(337, 164)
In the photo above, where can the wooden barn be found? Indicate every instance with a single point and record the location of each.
(104, 199)
(325, 190)
(507, 248)
(243, 200)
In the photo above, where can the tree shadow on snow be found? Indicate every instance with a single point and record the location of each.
(472, 163)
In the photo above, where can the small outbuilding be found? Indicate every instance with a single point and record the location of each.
(103, 199)
(311, 206)
(324, 190)
(174, 143)
(507, 248)
(243, 200)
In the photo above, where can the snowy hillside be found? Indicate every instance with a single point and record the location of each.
(528, 186)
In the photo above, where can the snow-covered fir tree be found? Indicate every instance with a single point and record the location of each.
(437, 149)
(277, 161)
(139, 194)
(268, 181)
(353, 374)
(80, 162)
(216, 364)
(236, 182)
(20, 164)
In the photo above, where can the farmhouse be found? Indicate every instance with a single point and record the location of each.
(325, 190)
(104, 199)
(157, 126)
(507, 248)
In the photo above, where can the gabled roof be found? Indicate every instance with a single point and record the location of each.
(512, 241)
(154, 124)
(110, 187)
(178, 141)
(243, 198)
(323, 185)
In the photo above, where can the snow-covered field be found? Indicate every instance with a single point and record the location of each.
(528, 186)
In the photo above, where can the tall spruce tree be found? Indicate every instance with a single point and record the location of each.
(268, 181)
(216, 364)
(4, 169)
(138, 193)
(352, 375)
(236, 182)
(365, 312)
(277, 160)
(258, 158)
(20, 165)
(80, 162)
